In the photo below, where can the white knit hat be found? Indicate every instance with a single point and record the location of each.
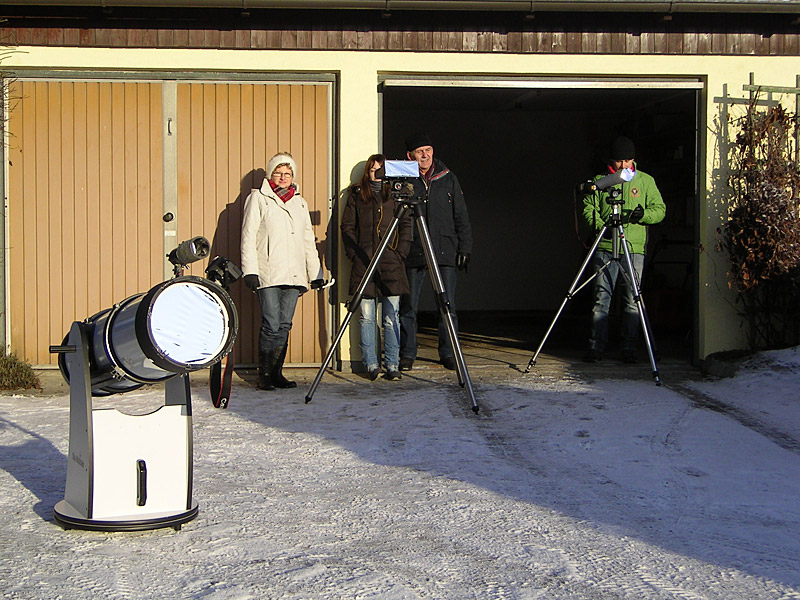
(282, 158)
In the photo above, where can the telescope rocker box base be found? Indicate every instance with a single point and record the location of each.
(69, 518)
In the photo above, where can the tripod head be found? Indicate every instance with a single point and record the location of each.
(614, 221)
(615, 200)
(402, 190)
(614, 197)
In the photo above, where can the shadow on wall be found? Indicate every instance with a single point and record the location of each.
(227, 243)
(327, 257)
(717, 202)
(342, 294)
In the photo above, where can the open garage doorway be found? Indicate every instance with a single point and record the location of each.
(519, 153)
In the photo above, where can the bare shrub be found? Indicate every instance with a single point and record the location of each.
(762, 234)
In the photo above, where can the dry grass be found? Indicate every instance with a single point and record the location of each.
(16, 374)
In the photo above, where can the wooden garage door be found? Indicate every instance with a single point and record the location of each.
(84, 195)
(226, 135)
(87, 194)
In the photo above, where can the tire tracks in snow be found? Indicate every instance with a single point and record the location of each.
(596, 561)
(702, 400)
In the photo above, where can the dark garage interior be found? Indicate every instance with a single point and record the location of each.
(520, 153)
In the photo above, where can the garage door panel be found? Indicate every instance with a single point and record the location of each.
(16, 256)
(234, 130)
(80, 201)
(65, 280)
(77, 147)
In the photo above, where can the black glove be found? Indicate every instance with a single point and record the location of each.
(317, 284)
(251, 281)
(462, 260)
(636, 214)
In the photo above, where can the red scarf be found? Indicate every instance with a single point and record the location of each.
(284, 194)
(429, 174)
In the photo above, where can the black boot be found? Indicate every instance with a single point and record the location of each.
(277, 377)
(266, 362)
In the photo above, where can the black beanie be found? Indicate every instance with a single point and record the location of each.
(622, 149)
(418, 139)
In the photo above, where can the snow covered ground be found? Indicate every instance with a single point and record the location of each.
(561, 487)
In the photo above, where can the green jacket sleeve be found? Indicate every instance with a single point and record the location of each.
(654, 207)
(591, 211)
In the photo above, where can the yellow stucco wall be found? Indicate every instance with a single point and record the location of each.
(358, 119)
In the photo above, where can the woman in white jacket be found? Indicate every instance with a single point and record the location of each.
(279, 258)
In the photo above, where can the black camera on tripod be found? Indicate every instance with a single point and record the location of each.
(398, 175)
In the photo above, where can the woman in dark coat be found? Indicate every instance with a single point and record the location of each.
(367, 215)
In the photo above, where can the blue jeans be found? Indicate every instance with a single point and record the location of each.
(409, 304)
(391, 332)
(604, 290)
(277, 311)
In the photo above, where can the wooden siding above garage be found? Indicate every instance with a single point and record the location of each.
(572, 33)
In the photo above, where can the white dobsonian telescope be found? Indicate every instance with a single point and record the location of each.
(132, 472)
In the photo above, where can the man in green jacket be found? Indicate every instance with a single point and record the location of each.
(640, 205)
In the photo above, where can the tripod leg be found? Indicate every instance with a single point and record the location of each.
(355, 301)
(630, 275)
(444, 305)
(330, 353)
(570, 293)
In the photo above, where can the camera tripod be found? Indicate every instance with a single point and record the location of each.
(614, 224)
(404, 205)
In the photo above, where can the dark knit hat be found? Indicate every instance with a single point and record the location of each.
(622, 149)
(418, 139)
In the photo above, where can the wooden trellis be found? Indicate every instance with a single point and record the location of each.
(754, 89)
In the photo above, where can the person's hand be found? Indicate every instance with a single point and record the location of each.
(462, 260)
(317, 284)
(252, 282)
(636, 214)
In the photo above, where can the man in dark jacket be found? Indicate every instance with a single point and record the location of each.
(446, 215)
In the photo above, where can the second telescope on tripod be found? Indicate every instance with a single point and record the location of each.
(615, 226)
